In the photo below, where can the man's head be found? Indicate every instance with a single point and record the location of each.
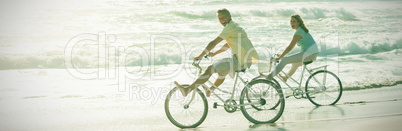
(224, 16)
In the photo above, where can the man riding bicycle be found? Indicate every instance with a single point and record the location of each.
(243, 54)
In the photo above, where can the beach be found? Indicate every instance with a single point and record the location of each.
(41, 102)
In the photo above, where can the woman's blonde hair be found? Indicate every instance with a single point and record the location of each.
(300, 20)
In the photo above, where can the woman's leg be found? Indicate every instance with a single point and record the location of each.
(295, 58)
(295, 66)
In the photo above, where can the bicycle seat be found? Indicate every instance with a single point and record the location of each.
(243, 70)
(307, 62)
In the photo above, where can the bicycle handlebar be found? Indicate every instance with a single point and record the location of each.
(273, 58)
(207, 55)
(196, 63)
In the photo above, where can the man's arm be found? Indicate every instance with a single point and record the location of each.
(223, 49)
(209, 47)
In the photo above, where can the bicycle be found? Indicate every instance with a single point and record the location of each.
(256, 102)
(328, 91)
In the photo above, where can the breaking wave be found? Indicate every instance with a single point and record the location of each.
(372, 85)
(309, 13)
(364, 47)
(166, 56)
(195, 15)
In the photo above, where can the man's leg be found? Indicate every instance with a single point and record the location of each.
(217, 83)
(201, 80)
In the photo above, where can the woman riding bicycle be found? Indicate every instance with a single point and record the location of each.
(302, 38)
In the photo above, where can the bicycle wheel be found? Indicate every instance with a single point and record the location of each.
(265, 92)
(257, 101)
(275, 81)
(268, 89)
(323, 88)
(186, 112)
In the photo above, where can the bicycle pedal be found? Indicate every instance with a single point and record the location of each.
(215, 105)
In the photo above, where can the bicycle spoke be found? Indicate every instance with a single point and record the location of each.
(269, 104)
(325, 92)
(186, 112)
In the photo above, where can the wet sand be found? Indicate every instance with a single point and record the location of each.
(357, 110)
(90, 105)
(366, 110)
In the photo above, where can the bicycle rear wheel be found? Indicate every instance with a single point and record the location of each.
(186, 112)
(258, 101)
(268, 89)
(275, 81)
(323, 88)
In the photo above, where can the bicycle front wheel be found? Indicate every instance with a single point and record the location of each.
(323, 88)
(259, 99)
(186, 112)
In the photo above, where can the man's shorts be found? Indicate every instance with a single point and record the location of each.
(229, 66)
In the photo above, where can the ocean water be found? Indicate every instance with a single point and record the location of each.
(55, 53)
(146, 34)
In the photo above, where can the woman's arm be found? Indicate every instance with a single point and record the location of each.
(290, 46)
(222, 49)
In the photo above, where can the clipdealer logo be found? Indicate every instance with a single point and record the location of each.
(112, 61)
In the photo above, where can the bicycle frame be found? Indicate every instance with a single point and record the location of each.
(310, 71)
(255, 102)
(237, 77)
